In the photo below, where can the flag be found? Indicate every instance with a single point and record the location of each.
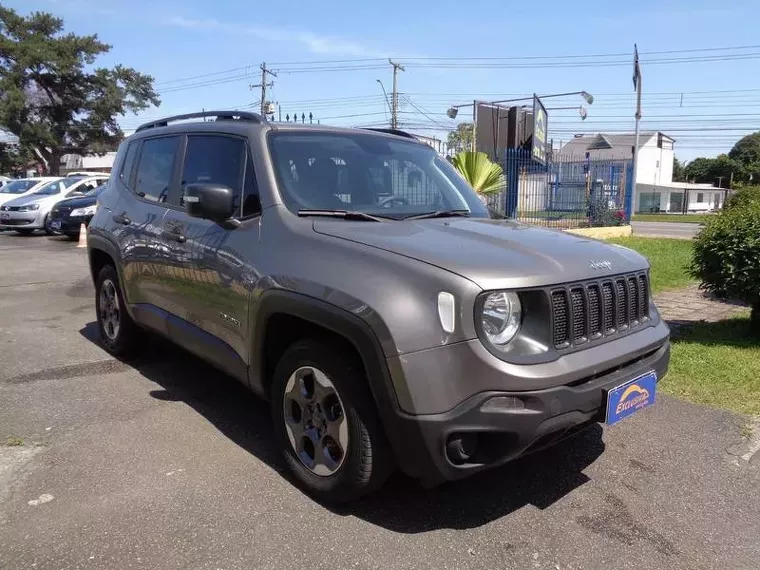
(636, 68)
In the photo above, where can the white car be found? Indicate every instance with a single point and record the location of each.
(4, 180)
(30, 212)
(22, 187)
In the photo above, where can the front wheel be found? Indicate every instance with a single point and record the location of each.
(326, 422)
(46, 224)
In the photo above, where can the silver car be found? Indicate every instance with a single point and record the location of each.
(31, 211)
(357, 282)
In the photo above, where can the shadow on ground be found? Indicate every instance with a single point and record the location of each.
(735, 331)
(402, 505)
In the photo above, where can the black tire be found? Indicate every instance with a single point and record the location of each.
(46, 225)
(127, 340)
(368, 461)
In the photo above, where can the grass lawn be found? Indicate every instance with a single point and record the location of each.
(682, 218)
(716, 364)
(669, 259)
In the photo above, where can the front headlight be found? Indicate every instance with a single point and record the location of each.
(500, 318)
(88, 211)
(29, 208)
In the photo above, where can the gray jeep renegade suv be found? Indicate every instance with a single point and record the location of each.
(353, 278)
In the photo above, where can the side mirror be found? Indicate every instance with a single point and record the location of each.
(209, 201)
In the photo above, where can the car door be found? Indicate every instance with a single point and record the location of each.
(148, 174)
(210, 282)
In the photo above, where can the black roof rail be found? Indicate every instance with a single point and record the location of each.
(220, 116)
(397, 132)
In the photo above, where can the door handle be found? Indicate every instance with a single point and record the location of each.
(174, 236)
(122, 219)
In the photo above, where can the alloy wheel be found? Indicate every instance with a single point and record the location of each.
(315, 421)
(110, 313)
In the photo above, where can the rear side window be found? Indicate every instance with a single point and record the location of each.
(154, 168)
(128, 165)
(219, 159)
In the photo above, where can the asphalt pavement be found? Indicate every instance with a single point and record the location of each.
(165, 463)
(666, 229)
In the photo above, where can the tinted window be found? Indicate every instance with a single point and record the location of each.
(128, 165)
(369, 173)
(154, 169)
(52, 188)
(71, 180)
(214, 159)
(97, 190)
(18, 186)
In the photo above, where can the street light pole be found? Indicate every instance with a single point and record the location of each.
(385, 95)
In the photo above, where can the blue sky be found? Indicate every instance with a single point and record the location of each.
(176, 40)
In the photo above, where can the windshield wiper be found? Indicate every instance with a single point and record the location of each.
(345, 214)
(440, 214)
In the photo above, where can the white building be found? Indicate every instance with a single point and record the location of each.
(655, 161)
(655, 189)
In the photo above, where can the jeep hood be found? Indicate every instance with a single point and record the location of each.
(492, 253)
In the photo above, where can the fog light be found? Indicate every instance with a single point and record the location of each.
(461, 447)
(503, 404)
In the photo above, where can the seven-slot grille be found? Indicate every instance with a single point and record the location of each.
(591, 310)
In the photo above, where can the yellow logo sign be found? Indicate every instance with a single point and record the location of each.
(633, 397)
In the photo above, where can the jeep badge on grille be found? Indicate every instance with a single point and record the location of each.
(600, 264)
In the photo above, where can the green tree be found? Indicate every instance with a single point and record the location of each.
(52, 97)
(484, 176)
(746, 152)
(679, 174)
(713, 170)
(461, 138)
(14, 159)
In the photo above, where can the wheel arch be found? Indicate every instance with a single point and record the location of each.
(100, 252)
(319, 318)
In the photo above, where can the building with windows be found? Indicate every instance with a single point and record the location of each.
(655, 189)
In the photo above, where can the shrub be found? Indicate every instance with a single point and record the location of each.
(743, 197)
(727, 255)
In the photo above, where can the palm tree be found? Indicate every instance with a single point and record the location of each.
(485, 176)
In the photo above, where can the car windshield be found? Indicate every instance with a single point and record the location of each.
(51, 188)
(18, 186)
(373, 174)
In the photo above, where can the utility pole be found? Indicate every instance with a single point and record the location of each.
(394, 96)
(637, 86)
(264, 85)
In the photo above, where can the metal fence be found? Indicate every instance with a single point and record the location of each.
(566, 192)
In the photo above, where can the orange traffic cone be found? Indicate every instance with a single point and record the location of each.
(82, 236)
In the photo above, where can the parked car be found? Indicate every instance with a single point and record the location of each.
(30, 212)
(4, 180)
(67, 216)
(358, 283)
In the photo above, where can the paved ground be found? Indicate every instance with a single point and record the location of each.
(665, 229)
(167, 464)
(689, 305)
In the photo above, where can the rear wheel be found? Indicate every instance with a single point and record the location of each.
(119, 334)
(326, 422)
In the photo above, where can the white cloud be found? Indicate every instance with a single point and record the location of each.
(323, 45)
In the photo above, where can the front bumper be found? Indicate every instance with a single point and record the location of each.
(70, 225)
(22, 220)
(501, 425)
